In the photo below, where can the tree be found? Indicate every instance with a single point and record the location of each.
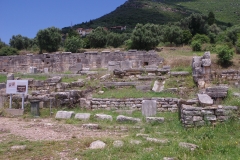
(232, 34)
(187, 36)
(115, 39)
(173, 34)
(2, 44)
(49, 39)
(146, 36)
(72, 44)
(225, 54)
(98, 37)
(196, 45)
(211, 18)
(201, 38)
(197, 23)
(7, 51)
(20, 42)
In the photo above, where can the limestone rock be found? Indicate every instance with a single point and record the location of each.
(10, 76)
(90, 126)
(190, 146)
(158, 86)
(154, 119)
(204, 99)
(122, 118)
(97, 145)
(103, 117)
(118, 143)
(20, 147)
(155, 140)
(64, 114)
(135, 141)
(149, 107)
(82, 116)
(55, 79)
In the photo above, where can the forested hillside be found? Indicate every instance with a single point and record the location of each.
(165, 11)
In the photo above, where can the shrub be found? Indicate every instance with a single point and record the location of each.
(238, 46)
(196, 45)
(201, 38)
(8, 51)
(225, 54)
(72, 44)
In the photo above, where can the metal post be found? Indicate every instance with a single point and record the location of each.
(22, 101)
(10, 104)
(50, 107)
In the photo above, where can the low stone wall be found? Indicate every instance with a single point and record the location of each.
(61, 62)
(163, 104)
(227, 75)
(198, 116)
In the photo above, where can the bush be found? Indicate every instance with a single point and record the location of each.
(196, 46)
(8, 51)
(72, 44)
(238, 46)
(225, 54)
(201, 38)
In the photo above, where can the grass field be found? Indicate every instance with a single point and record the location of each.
(214, 142)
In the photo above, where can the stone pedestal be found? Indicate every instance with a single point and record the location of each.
(149, 108)
(35, 108)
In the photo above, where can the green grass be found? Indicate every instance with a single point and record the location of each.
(69, 79)
(231, 100)
(215, 142)
(36, 77)
(3, 78)
(131, 92)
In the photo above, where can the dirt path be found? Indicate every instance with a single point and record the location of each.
(46, 129)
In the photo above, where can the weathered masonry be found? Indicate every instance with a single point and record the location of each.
(60, 62)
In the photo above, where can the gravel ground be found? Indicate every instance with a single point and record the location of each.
(47, 129)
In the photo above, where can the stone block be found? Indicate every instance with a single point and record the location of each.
(45, 70)
(126, 65)
(188, 145)
(103, 117)
(158, 86)
(154, 119)
(14, 112)
(82, 116)
(149, 108)
(90, 126)
(197, 118)
(97, 145)
(205, 99)
(10, 76)
(122, 118)
(64, 114)
(210, 117)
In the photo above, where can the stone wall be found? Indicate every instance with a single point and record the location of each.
(227, 75)
(198, 116)
(163, 104)
(60, 62)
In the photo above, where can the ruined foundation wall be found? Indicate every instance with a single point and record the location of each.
(163, 104)
(199, 116)
(60, 62)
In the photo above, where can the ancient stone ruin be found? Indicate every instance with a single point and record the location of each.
(76, 62)
(137, 69)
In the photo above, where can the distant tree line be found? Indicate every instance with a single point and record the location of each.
(201, 32)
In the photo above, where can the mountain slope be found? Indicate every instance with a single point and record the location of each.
(164, 11)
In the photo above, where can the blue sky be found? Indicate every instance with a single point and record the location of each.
(27, 17)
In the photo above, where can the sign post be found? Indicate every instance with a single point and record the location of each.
(10, 104)
(17, 87)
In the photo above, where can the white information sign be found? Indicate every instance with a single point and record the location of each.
(17, 86)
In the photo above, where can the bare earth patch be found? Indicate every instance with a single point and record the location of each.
(47, 129)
